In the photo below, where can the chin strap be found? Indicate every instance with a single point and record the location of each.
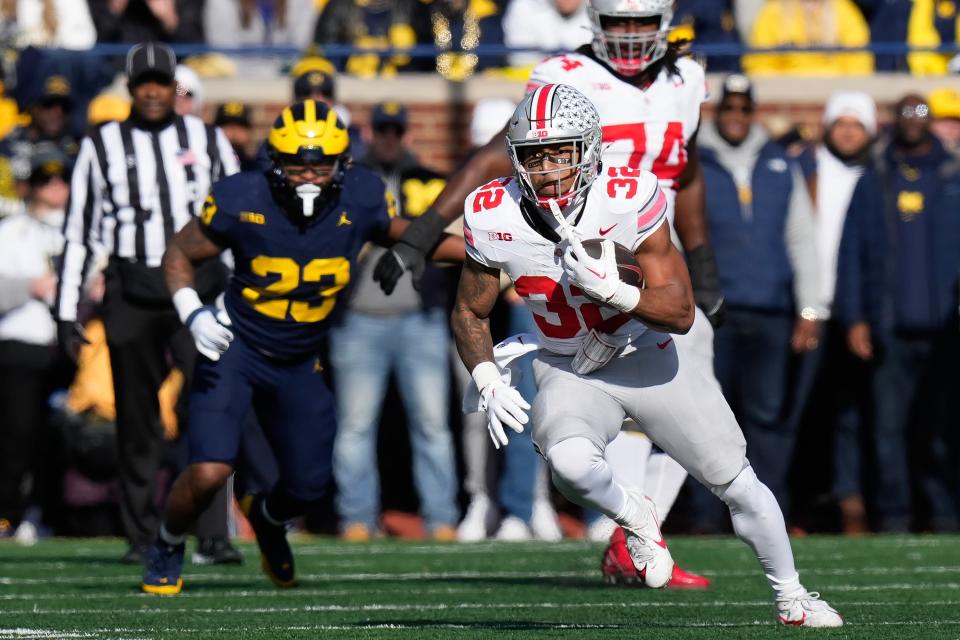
(564, 228)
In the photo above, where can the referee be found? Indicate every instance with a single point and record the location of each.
(134, 185)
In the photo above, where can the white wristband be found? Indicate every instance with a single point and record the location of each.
(625, 298)
(186, 301)
(485, 374)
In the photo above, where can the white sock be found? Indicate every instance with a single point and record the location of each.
(169, 538)
(788, 588)
(663, 481)
(758, 521)
(581, 473)
(634, 514)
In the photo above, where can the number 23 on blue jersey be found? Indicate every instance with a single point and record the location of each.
(270, 300)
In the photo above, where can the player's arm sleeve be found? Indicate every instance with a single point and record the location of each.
(473, 246)
(651, 215)
(800, 238)
(701, 91)
(227, 159)
(217, 224)
(84, 210)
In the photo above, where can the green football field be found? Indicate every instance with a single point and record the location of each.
(886, 587)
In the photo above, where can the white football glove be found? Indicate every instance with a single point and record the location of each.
(209, 334)
(502, 403)
(599, 277)
(208, 325)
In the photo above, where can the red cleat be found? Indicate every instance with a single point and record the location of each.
(617, 565)
(682, 579)
(618, 568)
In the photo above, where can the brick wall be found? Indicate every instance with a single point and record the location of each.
(439, 133)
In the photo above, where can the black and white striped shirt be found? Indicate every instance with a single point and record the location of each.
(132, 189)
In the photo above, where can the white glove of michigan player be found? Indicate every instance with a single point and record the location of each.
(598, 277)
(504, 404)
(208, 325)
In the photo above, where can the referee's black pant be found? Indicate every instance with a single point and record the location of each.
(144, 341)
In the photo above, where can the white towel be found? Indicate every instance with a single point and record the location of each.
(505, 355)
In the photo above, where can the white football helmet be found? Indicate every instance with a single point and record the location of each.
(552, 114)
(630, 53)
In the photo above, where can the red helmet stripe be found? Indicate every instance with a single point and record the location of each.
(543, 99)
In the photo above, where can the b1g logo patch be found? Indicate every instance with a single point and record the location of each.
(501, 236)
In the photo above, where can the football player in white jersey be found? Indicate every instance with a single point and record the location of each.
(605, 346)
(648, 97)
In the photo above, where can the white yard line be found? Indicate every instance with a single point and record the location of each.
(458, 606)
(895, 586)
(266, 592)
(479, 575)
(22, 632)
(506, 625)
(350, 577)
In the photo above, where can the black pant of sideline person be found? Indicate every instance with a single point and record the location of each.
(145, 336)
(28, 373)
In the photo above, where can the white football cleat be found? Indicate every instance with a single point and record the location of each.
(806, 609)
(544, 523)
(513, 529)
(648, 550)
(479, 520)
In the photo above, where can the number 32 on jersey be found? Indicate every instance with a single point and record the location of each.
(566, 322)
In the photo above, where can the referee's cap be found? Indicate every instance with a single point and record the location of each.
(151, 58)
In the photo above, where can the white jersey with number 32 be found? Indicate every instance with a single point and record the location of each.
(642, 128)
(624, 204)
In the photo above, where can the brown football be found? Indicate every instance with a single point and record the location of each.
(626, 264)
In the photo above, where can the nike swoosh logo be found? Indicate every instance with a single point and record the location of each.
(604, 232)
(663, 345)
(602, 276)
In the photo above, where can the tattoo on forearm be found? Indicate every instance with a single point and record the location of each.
(476, 295)
(188, 247)
(177, 268)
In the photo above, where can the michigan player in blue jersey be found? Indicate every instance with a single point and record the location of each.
(295, 232)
